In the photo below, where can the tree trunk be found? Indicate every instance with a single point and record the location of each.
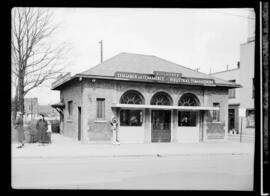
(21, 92)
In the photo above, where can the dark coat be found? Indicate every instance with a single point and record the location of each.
(42, 127)
(19, 128)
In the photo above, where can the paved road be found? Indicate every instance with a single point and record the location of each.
(190, 172)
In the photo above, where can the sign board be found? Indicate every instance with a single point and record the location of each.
(242, 112)
(167, 77)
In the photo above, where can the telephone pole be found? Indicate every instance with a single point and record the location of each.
(101, 51)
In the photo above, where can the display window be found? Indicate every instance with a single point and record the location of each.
(187, 119)
(131, 118)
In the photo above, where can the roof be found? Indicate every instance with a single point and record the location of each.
(144, 64)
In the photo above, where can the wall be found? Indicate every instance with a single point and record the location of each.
(247, 51)
(218, 95)
(99, 130)
(247, 74)
(93, 128)
(71, 93)
(233, 74)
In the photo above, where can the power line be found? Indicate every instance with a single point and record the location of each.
(233, 15)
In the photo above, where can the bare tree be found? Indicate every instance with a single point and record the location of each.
(35, 58)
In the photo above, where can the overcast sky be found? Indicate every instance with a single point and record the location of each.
(195, 38)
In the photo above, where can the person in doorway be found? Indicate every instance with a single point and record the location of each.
(19, 129)
(42, 127)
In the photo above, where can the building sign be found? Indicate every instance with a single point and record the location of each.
(167, 77)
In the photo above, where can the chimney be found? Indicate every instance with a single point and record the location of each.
(238, 65)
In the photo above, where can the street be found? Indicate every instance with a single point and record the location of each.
(185, 172)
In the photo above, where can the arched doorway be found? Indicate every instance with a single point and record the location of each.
(188, 120)
(161, 119)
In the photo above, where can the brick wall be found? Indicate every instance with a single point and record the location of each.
(112, 91)
(71, 93)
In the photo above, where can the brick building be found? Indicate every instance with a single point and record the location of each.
(154, 100)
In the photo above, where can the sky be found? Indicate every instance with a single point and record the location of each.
(195, 38)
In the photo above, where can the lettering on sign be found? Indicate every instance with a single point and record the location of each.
(167, 77)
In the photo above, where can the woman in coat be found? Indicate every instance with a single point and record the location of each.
(42, 127)
(19, 128)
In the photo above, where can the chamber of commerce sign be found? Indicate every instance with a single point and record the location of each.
(167, 77)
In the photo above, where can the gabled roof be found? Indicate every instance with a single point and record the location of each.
(145, 64)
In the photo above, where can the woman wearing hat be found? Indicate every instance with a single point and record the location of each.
(42, 127)
(19, 128)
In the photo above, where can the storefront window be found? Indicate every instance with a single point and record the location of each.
(250, 118)
(186, 119)
(131, 118)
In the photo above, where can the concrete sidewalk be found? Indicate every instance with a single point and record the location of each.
(66, 147)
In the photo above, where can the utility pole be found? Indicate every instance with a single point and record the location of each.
(101, 51)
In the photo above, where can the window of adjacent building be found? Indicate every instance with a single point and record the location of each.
(250, 114)
(216, 113)
(187, 119)
(70, 109)
(101, 108)
(131, 118)
(232, 91)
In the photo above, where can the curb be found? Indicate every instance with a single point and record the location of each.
(132, 155)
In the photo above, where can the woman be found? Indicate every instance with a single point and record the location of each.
(42, 127)
(19, 128)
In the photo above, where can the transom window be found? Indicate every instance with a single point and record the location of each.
(188, 99)
(161, 99)
(131, 97)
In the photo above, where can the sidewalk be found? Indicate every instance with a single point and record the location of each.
(62, 146)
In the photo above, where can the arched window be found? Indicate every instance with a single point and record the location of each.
(188, 99)
(132, 97)
(131, 117)
(161, 98)
(188, 118)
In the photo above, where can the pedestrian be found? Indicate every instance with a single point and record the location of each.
(42, 127)
(19, 128)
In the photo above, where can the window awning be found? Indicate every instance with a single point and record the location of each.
(58, 105)
(163, 107)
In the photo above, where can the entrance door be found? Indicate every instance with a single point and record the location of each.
(79, 123)
(161, 126)
(231, 119)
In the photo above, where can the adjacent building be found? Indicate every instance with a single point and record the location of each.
(153, 99)
(242, 98)
(31, 109)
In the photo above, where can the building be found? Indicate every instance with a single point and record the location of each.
(242, 98)
(154, 100)
(31, 108)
